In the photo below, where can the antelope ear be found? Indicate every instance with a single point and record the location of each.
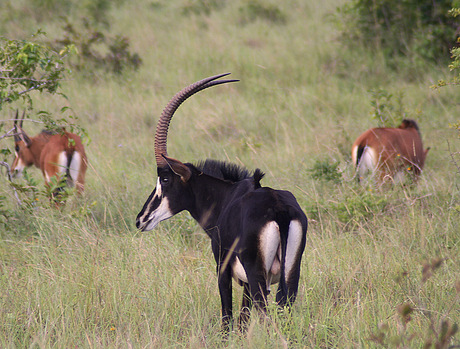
(426, 151)
(178, 168)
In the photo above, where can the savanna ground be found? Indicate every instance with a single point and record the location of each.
(381, 267)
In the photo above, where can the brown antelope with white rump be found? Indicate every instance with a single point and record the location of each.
(387, 153)
(56, 154)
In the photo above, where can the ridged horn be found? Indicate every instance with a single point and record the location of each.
(16, 135)
(161, 134)
(19, 129)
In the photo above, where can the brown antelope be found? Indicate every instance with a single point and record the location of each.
(389, 152)
(258, 234)
(56, 154)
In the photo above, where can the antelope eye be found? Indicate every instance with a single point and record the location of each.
(164, 180)
(17, 149)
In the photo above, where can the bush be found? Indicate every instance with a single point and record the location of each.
(360, 207)
(28, 66)
(388, 109)
(255, 9)
(98, 49)
(199, 7)
(326, 170)
(414, 28)
(96, 11)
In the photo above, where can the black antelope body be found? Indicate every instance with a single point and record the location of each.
(257, 233)
(56, 154)
(389, 152)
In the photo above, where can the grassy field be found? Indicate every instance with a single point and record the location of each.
(381, 267)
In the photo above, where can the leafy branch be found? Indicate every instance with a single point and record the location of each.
(27, 66)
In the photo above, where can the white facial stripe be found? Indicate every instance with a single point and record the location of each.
(163, 209)
(158, 191)
(160, 214)
(157, 196)
(293, 245)
(19, 165)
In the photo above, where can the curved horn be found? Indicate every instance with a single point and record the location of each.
(168, 112)
(22, 119)
(20, 134)
(16, 135)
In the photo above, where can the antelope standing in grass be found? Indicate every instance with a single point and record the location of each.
(257, 233)
(55, 154)
(389, 152)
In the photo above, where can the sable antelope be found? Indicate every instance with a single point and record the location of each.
(389, 152)
(257, 233)
(56, 154)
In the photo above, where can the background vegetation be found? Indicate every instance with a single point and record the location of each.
(381, 267)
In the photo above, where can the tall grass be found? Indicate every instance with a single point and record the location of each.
(84, 277)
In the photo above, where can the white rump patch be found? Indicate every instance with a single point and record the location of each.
(62, 162)
(74, 168)
(293, 244)
(238, 272)
(269, 243)
(270, 248)
(367, 163)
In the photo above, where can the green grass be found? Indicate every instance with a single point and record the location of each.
(84, 277)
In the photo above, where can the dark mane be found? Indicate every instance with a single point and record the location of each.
(409, 123)
(47, 132)
(228, 171)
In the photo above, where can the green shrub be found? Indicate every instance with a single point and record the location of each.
(326, 170)
(385, 110)
(255, 9)
(98, 49)
(96, 11)
(454, 66)
(199, 7)
(44, 10)
(358, 207)
(352, 207)
(28, 66)
(415, 28)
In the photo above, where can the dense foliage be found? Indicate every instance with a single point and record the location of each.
(26, 66)
(413, 28)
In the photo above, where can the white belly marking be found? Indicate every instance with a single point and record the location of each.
(238, 272)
